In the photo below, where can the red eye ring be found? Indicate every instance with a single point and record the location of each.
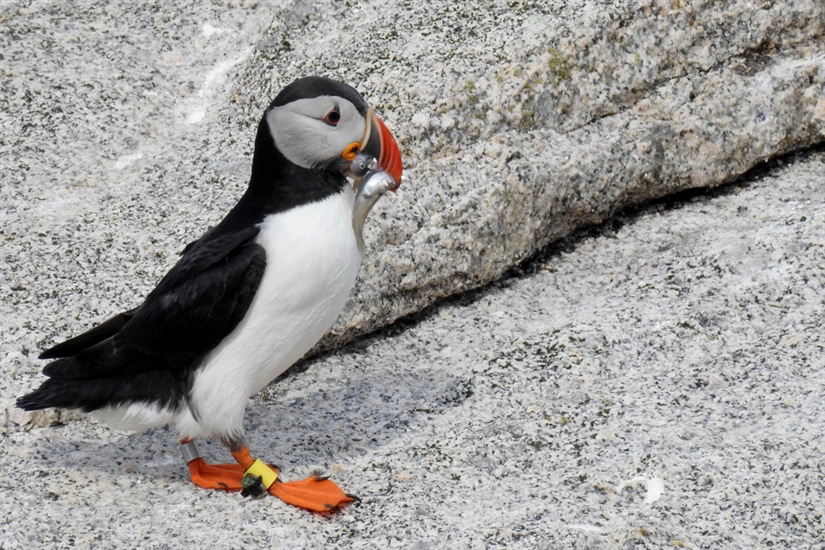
(333, 117)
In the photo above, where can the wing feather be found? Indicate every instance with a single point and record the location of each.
(197, 304)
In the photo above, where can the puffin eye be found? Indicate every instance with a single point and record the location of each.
(333, 117)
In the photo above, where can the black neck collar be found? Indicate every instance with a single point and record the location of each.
(277, 185)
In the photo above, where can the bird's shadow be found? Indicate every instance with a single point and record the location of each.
(339, 407)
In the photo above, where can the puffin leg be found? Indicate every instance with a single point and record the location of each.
(317, 494)
(226, 477)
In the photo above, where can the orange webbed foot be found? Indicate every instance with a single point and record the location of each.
(314, 493)
(254, 478)
(210, 476)
(216, 476)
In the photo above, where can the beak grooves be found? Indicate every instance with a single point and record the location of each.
(379, 142)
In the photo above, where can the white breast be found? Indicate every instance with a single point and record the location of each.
(312, 259)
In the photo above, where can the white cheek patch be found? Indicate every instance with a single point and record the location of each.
(305, 139)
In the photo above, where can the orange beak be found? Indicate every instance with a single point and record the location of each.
(378, 142)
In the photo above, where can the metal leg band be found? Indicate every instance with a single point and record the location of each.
(189, 451)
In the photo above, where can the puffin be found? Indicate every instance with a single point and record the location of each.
(246, 300)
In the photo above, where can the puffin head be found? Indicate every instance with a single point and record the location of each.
(317, 122)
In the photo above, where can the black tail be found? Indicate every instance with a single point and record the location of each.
(89, 395)
(65, 394)
(49, 394)
(72, 383)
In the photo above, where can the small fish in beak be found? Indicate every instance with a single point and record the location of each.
(371, 184)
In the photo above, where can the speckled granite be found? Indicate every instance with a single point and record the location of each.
(518, 123)
(522, 120)
(659, 384)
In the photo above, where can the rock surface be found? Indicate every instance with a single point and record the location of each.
(657, 383)
(128, 130)
(523, 120)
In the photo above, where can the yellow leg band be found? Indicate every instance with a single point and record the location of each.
(267, 474)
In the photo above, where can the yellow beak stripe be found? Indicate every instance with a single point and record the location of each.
(261, 470)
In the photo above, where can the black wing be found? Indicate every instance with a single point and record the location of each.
(197, 304)
(89, 338)
(147, 354)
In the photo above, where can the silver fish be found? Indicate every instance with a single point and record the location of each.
(371, 184)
